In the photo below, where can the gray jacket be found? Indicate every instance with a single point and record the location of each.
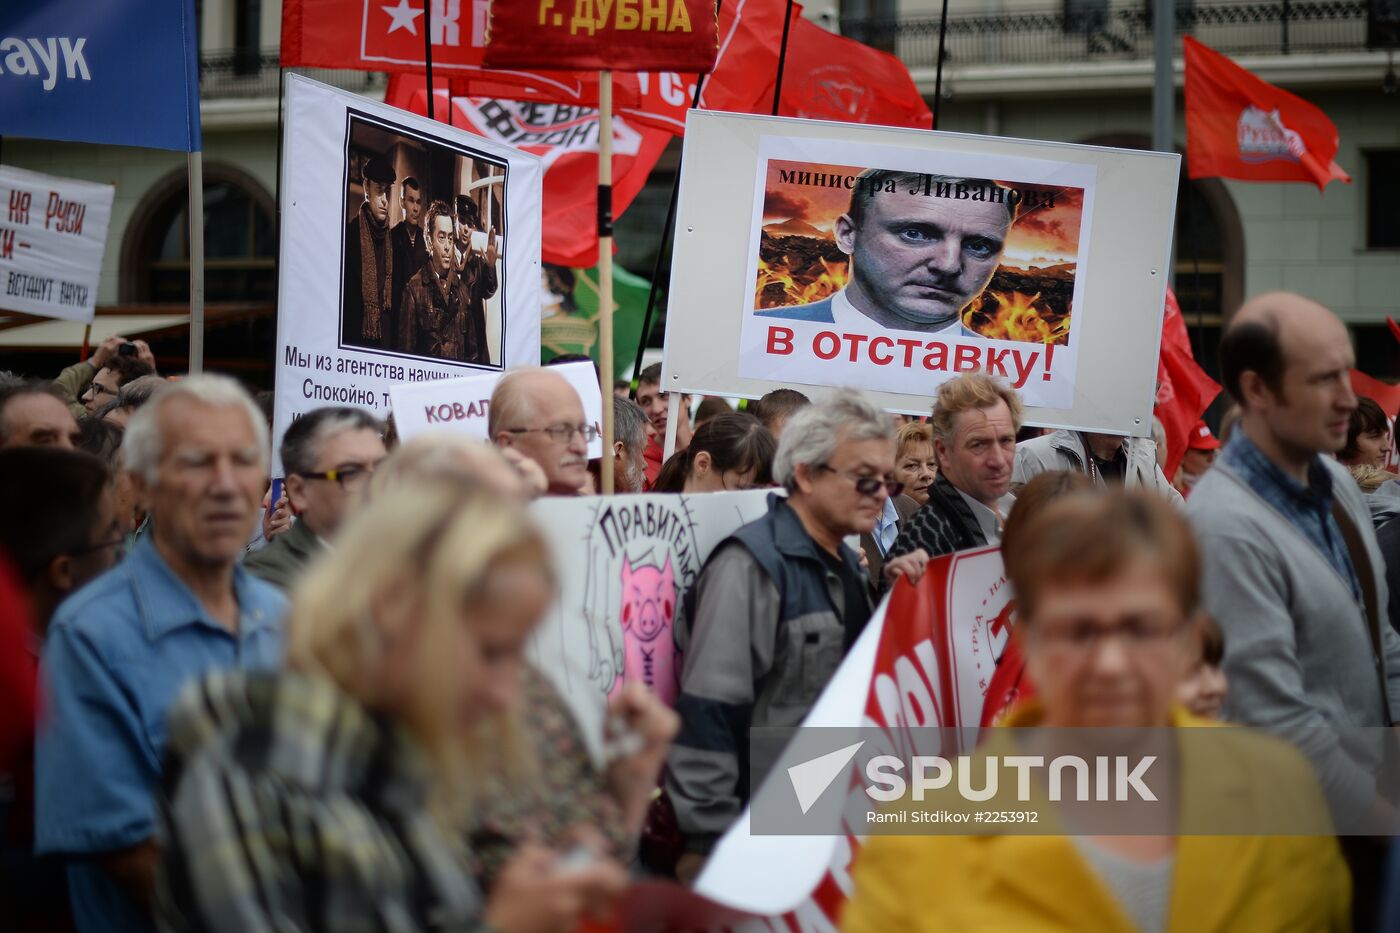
(1064, 450)
(1299, 653)
(762, 634)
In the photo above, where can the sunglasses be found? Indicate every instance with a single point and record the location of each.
(868, 485)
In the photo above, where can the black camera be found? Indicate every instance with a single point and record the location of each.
(127, 349)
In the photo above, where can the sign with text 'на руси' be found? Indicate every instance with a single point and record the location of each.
(52, 235)
(614, 35)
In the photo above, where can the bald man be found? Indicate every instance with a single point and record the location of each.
(1291, 567)
(537, 413)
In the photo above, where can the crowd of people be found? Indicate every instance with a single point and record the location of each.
(224, 706)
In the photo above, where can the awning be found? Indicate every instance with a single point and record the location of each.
(20, 332)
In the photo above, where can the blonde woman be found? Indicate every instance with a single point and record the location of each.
(327, 796)
(550, 788)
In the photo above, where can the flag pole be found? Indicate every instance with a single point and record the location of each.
(195, 175)
(605, 273)
(938, 71)
(428, 55)
(782, 57)
(667, 232)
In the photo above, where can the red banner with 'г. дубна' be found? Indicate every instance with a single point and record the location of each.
(613, 35)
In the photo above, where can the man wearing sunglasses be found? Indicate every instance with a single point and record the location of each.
(774, 610)
(537, 413)
(328, 456)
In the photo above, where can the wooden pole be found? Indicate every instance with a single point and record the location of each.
(87, 342)
(195, 170)
(605, 273)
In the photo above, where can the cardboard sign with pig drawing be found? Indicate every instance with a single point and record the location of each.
(891, 260)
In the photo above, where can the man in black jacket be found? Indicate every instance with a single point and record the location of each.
(974, 438)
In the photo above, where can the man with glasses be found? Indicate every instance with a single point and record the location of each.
(974, 439)
(328, 456)
(93, 382)
(775, 609)
(537, 413)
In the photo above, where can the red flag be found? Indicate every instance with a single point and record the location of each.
(621, 35)
(829, 77)
(380, 35)
(1184, 390)
(567, 138)
(1382, 393)
(1238, 126)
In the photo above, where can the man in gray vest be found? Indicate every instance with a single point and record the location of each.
(775, 609)
(1291, 567)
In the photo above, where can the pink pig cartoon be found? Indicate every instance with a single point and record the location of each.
(648, 612)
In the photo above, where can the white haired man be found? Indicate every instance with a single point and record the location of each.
(328, 455)
(120, 649)
(775, 609)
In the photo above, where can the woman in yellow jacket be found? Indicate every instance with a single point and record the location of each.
(1107, 590)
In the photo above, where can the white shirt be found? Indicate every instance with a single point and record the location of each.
(846, 317)
(990, 521)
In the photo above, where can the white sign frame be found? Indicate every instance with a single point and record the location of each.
(52, 237)
(1117, 328)
(463, 405)
(315, 366)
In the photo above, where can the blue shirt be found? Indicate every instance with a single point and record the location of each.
(117, 654)
(1308, 508)
(886, 527)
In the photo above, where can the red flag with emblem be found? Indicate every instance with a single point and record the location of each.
(383, 35)
(1238, 126)
(566, 137)
(1184, 390)
(830, 77)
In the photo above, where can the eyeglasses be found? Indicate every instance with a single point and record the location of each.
(98, 390)
(868, 485)
(348, 476)
(1139, 635)
(562, 433)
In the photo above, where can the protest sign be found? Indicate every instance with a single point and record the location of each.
(615, 35)
(409, 252)
(463, 405)
(891, 260)
(939, 654)
(51, 242)
(623, 562)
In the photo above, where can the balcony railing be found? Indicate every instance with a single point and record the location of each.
(237, 73)
(1085, 31)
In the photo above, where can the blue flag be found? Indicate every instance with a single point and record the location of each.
(111, 71)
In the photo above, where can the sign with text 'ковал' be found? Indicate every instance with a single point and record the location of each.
(52, 235)
(616, 35)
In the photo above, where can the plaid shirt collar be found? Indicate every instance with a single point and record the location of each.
(1265, 476)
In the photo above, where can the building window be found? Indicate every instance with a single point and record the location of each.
(239, 242)
(1086, 16)
(247, 36)
(1383, 199)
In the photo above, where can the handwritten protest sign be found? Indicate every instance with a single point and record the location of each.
(623, 563)
(464, 405)
(52, 236)
(433, 240)
(891, 260)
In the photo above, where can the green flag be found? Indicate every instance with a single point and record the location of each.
(569, 319)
